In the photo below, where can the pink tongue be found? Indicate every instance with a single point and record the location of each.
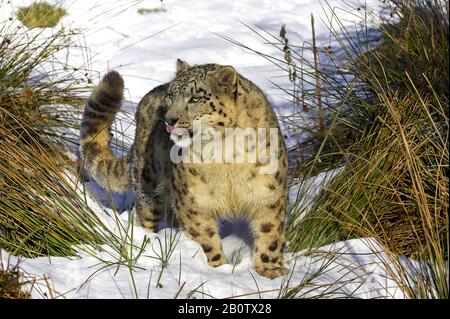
(170, 128)
(174, 130)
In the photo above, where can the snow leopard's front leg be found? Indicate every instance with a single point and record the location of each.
(198, 224)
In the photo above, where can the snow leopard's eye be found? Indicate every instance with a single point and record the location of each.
(169, 95)
(194, 99)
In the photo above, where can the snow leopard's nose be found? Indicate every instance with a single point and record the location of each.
(171, 121)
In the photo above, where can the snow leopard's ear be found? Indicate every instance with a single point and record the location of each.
(224, 79)
(182, 66)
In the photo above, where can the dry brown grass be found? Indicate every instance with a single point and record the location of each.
(394, 186)
(11, 286)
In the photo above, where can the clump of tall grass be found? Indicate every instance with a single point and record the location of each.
(41, 211)
(388, 126)
(40, 15)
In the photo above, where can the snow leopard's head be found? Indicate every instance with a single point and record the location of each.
(204, 93)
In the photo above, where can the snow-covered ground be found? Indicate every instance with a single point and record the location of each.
(144, 48)
(347, 269)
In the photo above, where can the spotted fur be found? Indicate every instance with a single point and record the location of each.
(193, 195)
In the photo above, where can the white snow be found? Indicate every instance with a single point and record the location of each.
(346, 269)
(144, 49)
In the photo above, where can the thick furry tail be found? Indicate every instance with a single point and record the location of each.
(109, 171)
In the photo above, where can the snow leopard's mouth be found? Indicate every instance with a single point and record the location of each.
(179, 135)
(170, 128)
(178, 131)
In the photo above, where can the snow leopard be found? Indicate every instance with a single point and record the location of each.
(194, 196)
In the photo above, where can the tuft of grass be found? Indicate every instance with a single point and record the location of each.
(394, 181)
(165, 251)
(10, 285)
(40, 15)
(41, 211)
(144, 11)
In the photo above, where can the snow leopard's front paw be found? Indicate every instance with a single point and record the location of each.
(271, 272)
(217, 260)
